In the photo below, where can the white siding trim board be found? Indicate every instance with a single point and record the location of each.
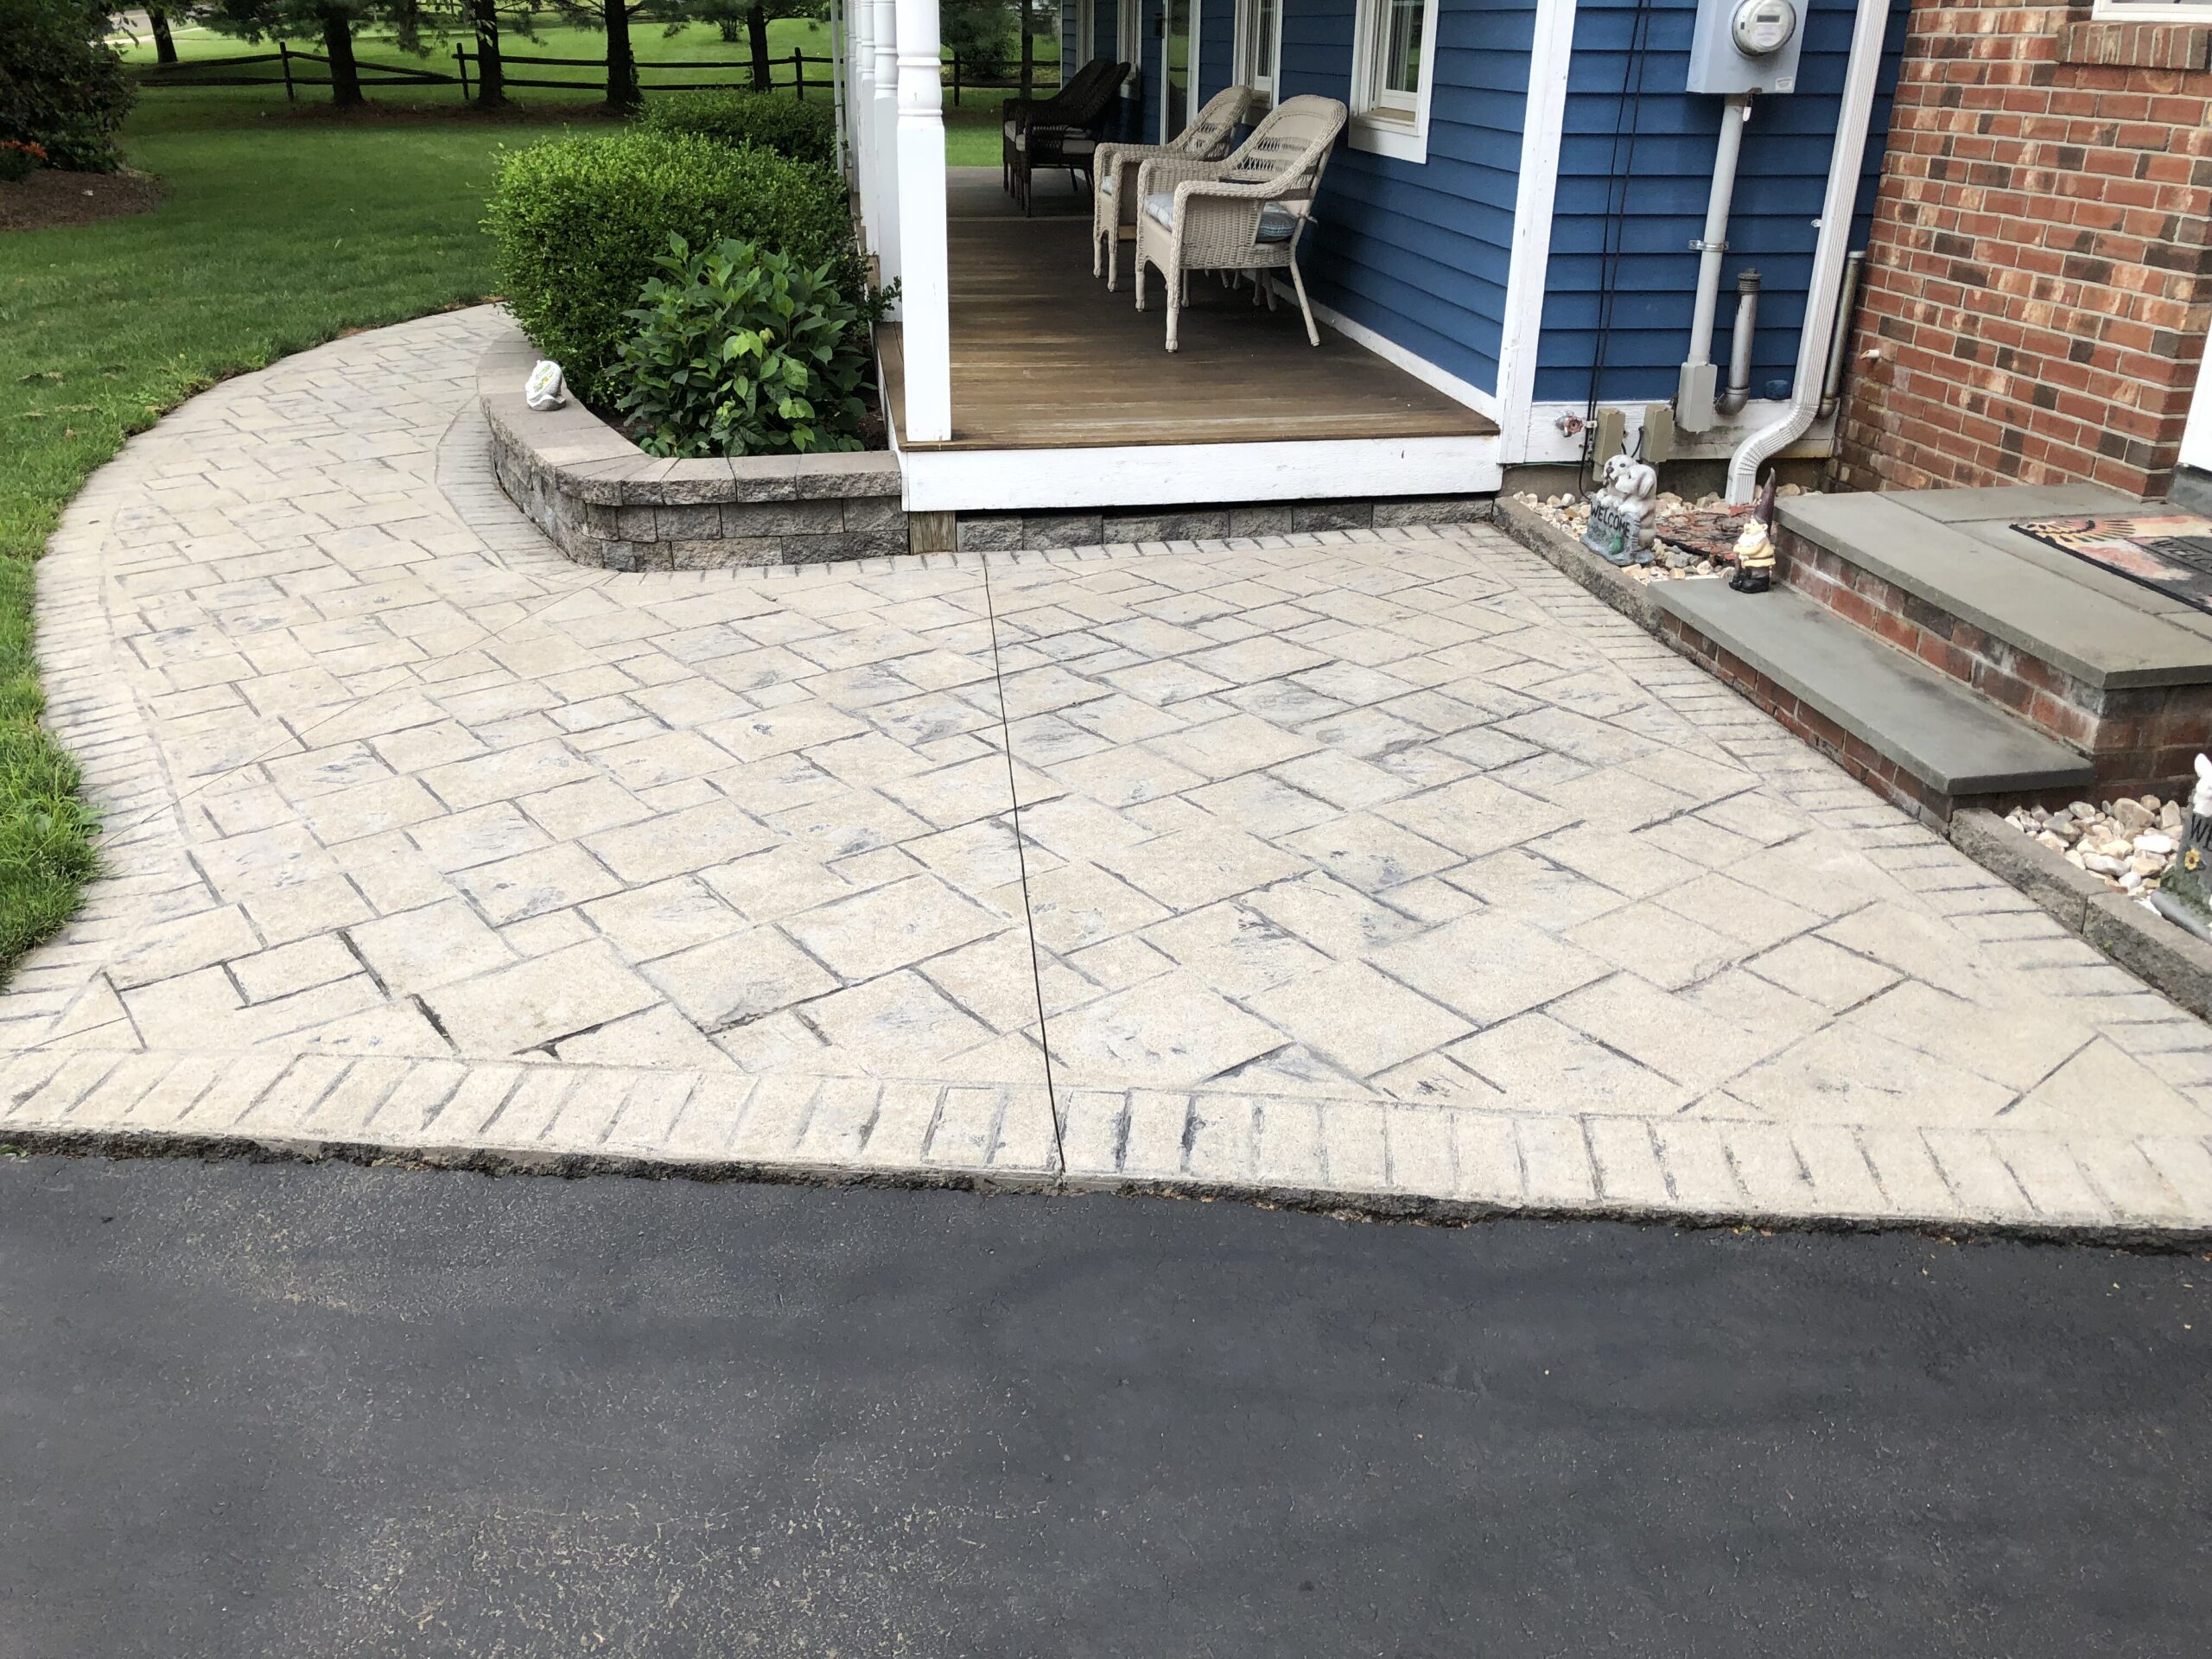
(1148, 475)
(1543, 123)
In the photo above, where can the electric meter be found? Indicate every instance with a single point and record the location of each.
(1745, 46)
(1762, 26)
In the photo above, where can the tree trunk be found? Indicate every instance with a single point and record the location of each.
(728, 26)
(157, 19)
(338, 47)
(491, 71)
(756, 29)
(622, 94)
(1028, 49)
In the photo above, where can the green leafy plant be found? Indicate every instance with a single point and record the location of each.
(742, 350)
(777, 121)
(577, 222)
(62, 87)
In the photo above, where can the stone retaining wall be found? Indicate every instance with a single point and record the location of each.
(603, 501)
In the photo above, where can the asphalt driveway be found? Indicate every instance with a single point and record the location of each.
(297, 1411)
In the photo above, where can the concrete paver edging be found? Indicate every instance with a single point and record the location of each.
(2146, 944)
(1382, 871)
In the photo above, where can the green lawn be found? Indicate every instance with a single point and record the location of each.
(256, 251)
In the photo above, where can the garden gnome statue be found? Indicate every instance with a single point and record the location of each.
(1755, 548)
(1618, 530)
(2181, 897)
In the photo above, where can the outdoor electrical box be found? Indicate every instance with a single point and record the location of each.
(1746, 46)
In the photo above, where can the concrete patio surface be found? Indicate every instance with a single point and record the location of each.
(1387, 869)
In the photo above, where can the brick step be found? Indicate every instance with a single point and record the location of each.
(1892, 720)
(2116, 669)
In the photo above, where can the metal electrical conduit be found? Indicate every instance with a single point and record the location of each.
(1693, 400)
(1821, 319)
(1740, 339)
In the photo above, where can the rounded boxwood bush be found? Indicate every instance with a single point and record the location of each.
(579, 221)
(805, 132)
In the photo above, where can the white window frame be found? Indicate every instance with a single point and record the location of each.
(1249, 61)
(1128, 36)
(2151, 11)
(1189, 72)
(1086, 38)
(1380, 124)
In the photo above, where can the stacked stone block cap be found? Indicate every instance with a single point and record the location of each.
(603, 501)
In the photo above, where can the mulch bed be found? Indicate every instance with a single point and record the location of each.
(50, 197)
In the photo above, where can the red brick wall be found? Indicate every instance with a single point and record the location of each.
(2039, 280)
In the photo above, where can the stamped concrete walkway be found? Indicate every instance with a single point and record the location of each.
(1387, 869)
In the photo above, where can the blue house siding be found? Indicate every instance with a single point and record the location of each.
(1217, 46)
(1420, 251)
(1779, 187)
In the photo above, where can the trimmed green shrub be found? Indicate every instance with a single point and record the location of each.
(579, 222)
(805, 132)
(741, 350)
(61, 85)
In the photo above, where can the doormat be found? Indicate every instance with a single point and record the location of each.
(2169, 551)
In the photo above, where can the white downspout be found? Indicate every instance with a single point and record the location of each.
(1852, 121)
(1694, 388)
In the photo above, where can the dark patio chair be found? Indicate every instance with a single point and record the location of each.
(1062, 131)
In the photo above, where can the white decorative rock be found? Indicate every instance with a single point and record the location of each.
(545, 389)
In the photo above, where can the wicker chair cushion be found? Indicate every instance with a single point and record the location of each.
(1276, 222)
(1066, 141)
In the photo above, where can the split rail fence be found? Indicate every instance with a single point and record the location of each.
(295, 68)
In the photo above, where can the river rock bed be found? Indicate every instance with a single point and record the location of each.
(2128, 843)
(1692, 538)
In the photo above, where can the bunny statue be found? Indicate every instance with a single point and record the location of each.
(1621, 507)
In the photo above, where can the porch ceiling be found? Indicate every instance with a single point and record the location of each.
(1044, 358)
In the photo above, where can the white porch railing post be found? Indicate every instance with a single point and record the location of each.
(926, 337)
(882, 133)
(859, 110)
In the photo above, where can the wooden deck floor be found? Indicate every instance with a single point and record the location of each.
(1044, 358)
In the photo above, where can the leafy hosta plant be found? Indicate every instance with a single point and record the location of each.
(743, 350)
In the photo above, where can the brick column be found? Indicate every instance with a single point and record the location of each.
(2039, 281)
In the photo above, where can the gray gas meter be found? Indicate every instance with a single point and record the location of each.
(1746, 46)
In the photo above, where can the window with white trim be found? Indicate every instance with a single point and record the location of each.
(1128, 37)
(1259, 46)
(1393, 57)
(2151, 11)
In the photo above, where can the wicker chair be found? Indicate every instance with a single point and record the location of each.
(1061, 130)
(1114, 196)
(1243, 214)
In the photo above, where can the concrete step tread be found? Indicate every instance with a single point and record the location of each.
(2099, 627)
(1950, 739)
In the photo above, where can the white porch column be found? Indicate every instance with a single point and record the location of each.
(860, 109)
(926, 342)
(882, 129)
